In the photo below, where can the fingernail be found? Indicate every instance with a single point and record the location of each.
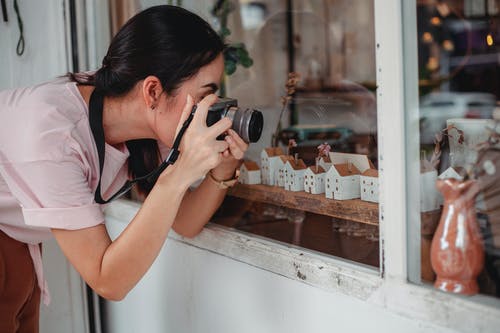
(228, 139)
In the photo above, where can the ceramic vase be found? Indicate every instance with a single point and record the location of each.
(457, 252)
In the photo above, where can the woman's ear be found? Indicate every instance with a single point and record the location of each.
(151, 91)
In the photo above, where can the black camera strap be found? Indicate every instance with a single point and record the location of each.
(95, 119)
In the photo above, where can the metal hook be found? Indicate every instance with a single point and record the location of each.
(4, 11)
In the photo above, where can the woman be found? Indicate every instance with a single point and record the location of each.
(161, 63)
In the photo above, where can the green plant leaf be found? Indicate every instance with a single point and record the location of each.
(237, 45)
(242, 53)
(230, 67)
(230, 55)
(246, 62)
(224, 32)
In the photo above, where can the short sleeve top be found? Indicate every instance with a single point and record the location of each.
(49, 166)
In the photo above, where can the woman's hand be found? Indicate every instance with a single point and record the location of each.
(231, 157)
(200, 151)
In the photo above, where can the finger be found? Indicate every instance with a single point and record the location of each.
(226, 153)
(234, 148)
(239, 141)
(185, 113)
(222, 126)
(200, 116)
(221, 146)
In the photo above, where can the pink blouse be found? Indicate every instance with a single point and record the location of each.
(49, 167)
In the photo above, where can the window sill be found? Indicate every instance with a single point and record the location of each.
(303, 265)
(421, 302)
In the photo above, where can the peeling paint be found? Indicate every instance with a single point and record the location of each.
(425, 304)
(310, 268)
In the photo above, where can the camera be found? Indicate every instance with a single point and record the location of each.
(248, 123)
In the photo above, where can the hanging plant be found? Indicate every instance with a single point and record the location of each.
(235, 53)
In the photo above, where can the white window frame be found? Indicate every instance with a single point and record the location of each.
(389, 287)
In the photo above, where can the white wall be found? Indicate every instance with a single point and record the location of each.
(45, 57)
(67, 312)
(192, 290)
(45, 51)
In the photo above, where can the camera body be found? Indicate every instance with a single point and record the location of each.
(248, 123)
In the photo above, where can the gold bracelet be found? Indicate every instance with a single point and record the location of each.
(224, 184)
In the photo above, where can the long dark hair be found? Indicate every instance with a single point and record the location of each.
(168, 42)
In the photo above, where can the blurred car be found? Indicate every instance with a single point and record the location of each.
(436, 108)
(314, 135)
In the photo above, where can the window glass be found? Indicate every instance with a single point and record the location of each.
(323, 115)
(459, 89)
(288, 194)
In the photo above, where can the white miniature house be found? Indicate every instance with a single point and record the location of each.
(269, 160)
(369, 185)
(342, 182)
(451, 172)
(325, 162)
(361, 162)
(314, 180)
(429, 195)
(294, 175)
(249, 173)
(280, 170)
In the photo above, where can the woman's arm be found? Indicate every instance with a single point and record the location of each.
(197, 208)
(199, 205)
(112, 269)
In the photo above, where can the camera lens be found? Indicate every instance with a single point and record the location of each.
(248, 123)
(255, 126)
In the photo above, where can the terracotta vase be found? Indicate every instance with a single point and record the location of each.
(457, 253)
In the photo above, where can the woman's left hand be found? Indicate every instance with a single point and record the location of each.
(231, 157)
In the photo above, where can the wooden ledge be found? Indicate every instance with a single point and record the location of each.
(353, 210)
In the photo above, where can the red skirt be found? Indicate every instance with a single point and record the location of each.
(19, 291)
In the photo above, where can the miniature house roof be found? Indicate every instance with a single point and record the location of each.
(300, 165)
(313, 169)
(360, 161)
(453, 172)
(251, 165)
(285, 158)
(345, 169)
(370, 173)
(274, 151)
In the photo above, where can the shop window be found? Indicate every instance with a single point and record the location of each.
(331, 44)
(459, 110)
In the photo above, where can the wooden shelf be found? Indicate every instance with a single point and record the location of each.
(353, 210)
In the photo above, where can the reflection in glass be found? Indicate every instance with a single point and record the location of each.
(331, 45)
(459, 87)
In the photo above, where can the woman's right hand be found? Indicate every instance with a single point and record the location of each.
(200, 151)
